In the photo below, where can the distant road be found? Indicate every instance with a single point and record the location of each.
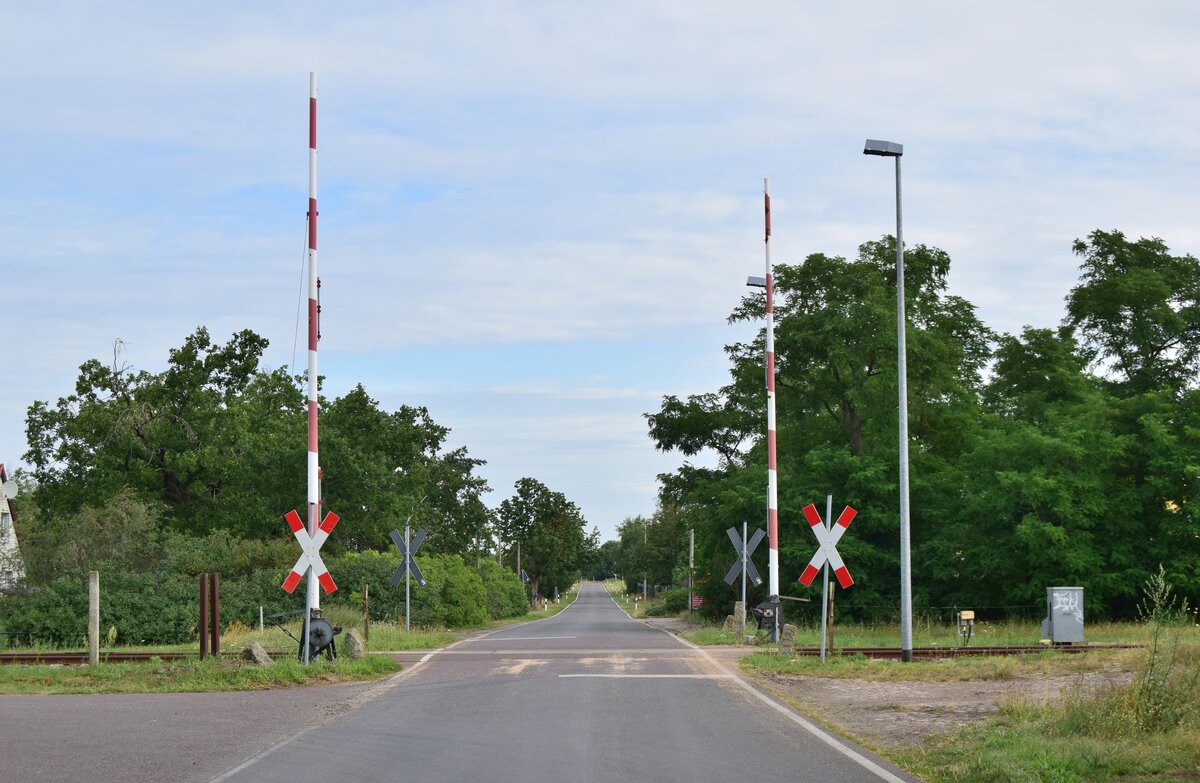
(586, 695)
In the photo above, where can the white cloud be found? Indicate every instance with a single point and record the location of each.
(503, 173)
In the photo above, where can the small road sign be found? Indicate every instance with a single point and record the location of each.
(828, 538)
(311, 554)
(408, 552)
(697, 601)
(744, 552)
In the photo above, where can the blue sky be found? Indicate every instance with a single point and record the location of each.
(535, 217)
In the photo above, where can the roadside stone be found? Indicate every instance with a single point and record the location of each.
(787, 638)
(355, 647)
(730, 623)
(253, 651)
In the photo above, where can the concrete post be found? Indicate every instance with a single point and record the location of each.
(93, 617)
(203, 616)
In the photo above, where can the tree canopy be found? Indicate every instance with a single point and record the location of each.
(217, 442)
(1056, 456)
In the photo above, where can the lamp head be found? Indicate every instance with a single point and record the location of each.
(887, 149)
(756, 282)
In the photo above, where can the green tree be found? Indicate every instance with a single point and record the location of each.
(1137, 309)
(217, 444)
(550, 530)
(836, 394)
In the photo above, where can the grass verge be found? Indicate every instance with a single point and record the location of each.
(187, 676)
(987, 668)
(1080, 740)
(1146, 730)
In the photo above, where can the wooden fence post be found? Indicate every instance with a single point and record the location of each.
(214, 613)
(203, 615)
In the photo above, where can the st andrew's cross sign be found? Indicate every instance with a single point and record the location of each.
(408, 552)
(827, 537)
(310, 555)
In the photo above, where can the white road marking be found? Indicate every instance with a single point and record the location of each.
(669, 653)
(787, 712)
(529, 638)
(655, 676)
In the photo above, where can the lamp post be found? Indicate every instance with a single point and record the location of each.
(890, 149)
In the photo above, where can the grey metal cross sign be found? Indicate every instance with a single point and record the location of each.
(744, 553)
(409, 552)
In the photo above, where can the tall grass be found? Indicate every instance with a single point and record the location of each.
(1148, 729)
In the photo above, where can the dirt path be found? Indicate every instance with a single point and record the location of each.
(904, 714)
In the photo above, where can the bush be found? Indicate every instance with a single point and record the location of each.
(675, 600)
(504, 592)
(163, 609)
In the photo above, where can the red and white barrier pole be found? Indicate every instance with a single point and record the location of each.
(772, 472)
(313, 597)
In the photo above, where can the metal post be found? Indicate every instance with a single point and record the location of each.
(407, 570)
(312, 598)
(93, 617)
(901, 353)
(214, 614)
(772, 470)
(366, 613)
(825, 579)
(261, 627)
(645, 546)
(203, 615)
(744, 558)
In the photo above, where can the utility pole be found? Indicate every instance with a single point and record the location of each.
(645, 553)
(691, 564)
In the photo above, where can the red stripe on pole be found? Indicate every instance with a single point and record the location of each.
(294, 521)
(312, 426)
(312, 224)
(312, 123)
(843, 577)
(846, 517)
(327, 583)
(810, 573)
(811, 514)
(771, 371)
(767, 212)
(773, 528)
(329, 522)
(770, 293)
(290, 583)
(771, 449)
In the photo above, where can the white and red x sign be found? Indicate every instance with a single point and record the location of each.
(828, 538)
(311, 555)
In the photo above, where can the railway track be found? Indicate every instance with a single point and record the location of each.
(80, 658)
(883, 653)
(935, 653)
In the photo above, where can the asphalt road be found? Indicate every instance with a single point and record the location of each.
(586, 695)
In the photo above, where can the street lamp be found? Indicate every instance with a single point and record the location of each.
(890, 149)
